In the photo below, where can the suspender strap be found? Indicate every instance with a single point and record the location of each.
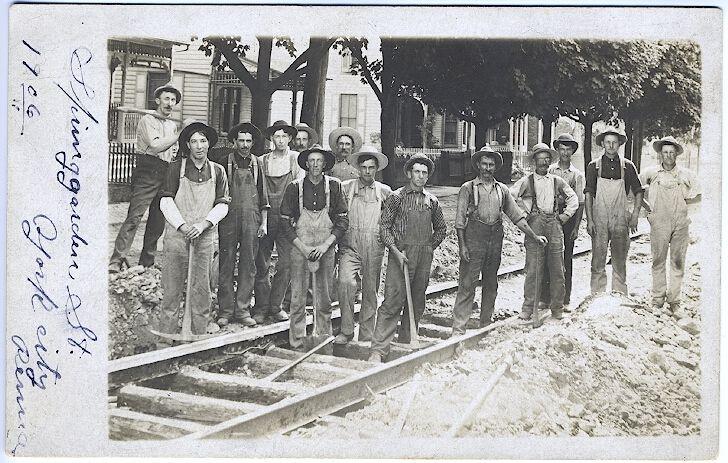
(300, 196)
(230, 167)
(532, 185)
(182, 168)
(327, 190)
(556, 197)
(213, 175)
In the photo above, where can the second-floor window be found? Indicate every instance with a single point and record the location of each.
(347, 110)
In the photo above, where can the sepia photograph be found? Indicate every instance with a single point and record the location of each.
(433, 243)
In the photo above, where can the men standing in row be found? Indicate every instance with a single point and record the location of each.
(609, 180)
(313, 214)
(241, 230)
(537, 193)
(412, 226)
(305, 137)
(670, 189)
(480, 236)
(155, 147)
(280, 168)
(344, 141)
(361, 252)
(194, 199)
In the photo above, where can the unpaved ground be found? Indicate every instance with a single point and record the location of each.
(606, 370)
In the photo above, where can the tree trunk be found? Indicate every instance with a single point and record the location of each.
(629, 132)
(389, 110)
(261, 94)
(314, 86)
(638, 139)
(588, 129)
(547, 135)
(481, 135)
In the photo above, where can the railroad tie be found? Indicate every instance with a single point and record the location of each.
(130, 425)
(308, 373)
(361, 350)
(341, 362)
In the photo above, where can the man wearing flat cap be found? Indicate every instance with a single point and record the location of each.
(280, 168)
(566, 146)
(610, 179)
(195, 199)
(305, 137)
(343, 142)
(241, 230)
(361, 253)
(670, 188)
(481, 203)
(313, 215)
(538, 194)
(156, 145)
(412, 226)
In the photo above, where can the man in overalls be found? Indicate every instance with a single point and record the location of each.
(670, 189)
(538, 194)
(194, 199)
(242, 229)
(480, 236)
(314, 218)
(412, 226)
(361, 253)
(609, 180)
(305, 137)
(280, 168)
(344, 141)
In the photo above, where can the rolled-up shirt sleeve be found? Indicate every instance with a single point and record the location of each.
(439, 227)
(386, 222)
(289, 211)
(171, 212)
(461, 215)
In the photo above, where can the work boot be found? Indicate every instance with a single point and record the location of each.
(279, 316)
(342, 338)
(524, 316)
(375, 357)
(557, 314)
(222, 322)
(248, 321)
(259, 318)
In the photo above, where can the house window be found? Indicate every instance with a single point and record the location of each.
(230, 104)
(347, 110)
(451, 130)
(154, 81)
(346, 63)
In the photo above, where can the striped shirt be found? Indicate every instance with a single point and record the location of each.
(393, 222)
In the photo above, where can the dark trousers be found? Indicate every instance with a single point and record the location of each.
(146, 184)
(568, 228)
(269, 296)
(238, 234)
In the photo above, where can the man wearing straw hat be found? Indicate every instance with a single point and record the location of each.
(156, 145)
(670, 189)
(313, 215)
(280, 168)
(305, 137)
(610, 179)
(481, 202)
(537, 194)
(412, 226)
(194, 199)
(344, 141)
(361, 252)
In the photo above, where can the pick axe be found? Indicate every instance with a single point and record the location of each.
(186, 335)
(414, 343)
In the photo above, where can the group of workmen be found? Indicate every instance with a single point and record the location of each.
(330, 222)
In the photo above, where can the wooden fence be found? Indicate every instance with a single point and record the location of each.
(121, 162)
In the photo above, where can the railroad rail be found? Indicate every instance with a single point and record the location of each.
(215, 388)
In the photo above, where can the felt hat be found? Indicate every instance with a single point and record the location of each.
(329, 157)
(313, 137)
(382, 160)
(487, 151)
(191, 127)
(612, 131)
(658, 144)
(542, 147)
(245, 127)
(168, 87)
(565, 139)
(353, 134)
(419, 158)
(281, 125)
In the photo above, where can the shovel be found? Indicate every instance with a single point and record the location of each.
(313, 266)
(535, 318)
(414, 342)
(186, 334)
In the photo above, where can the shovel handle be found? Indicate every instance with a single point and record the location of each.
(187, 316)
(410, 306)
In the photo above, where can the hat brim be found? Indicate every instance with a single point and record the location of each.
(475, 159)
(187, 132)
(246, 127)
(574, 144)
(312, 135)
(289, 129)
(551, 151)
(657, 146)
(419, 160)
(336, 133)
(328, 157)
(382, 160)
(176, 92)
(622, 137)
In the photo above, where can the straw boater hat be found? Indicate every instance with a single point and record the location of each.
(168, 87)
(245, 127)
(657, 145)
(281, 125)
(612, 131)
(487, 151)
(420, 158)
(353, 134)
(382, 160)
(328, 157)
(192, 126)
(313, 137)
(542, 147)
(565, 139)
